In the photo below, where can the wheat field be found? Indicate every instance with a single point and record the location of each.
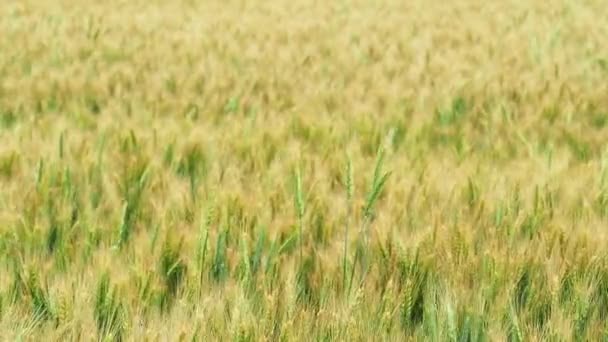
(299, 170)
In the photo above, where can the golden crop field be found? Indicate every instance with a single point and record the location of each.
(303, 170)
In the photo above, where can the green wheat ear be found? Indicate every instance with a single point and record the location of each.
(513, 329)
(299, 194)
(378, 181)
(349, 182)
(109, 312)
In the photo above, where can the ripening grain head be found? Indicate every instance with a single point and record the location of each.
(148, 149)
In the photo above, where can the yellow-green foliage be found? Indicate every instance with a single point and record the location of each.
(303, 170)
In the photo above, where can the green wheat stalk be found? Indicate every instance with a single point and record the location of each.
(348, 182)
(202, 245)
(299, 206)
